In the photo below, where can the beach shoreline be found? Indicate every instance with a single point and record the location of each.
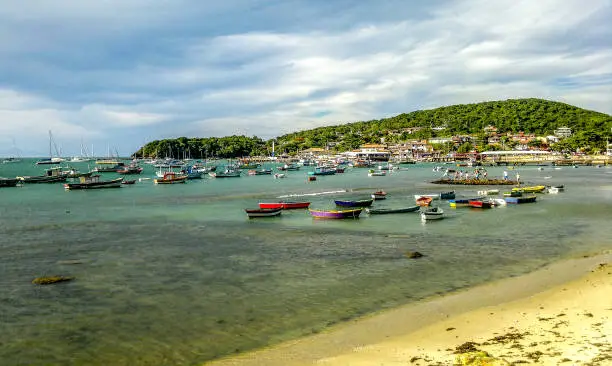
(547, 316)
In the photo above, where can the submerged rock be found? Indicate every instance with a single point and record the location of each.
(51, 279)
(413, 254)
(479, 358)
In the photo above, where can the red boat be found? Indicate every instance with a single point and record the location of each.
(480, 204)
(284, 205)
(424, 201)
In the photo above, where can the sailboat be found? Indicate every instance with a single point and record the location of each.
(51, 159)
(15, 158)
(83, 157)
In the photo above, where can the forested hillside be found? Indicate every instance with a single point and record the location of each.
(537, 116)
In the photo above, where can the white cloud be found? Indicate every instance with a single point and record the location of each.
(269, 81)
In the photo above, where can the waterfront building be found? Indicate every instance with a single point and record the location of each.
(370, 152)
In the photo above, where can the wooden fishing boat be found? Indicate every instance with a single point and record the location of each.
(284, 205)
(227, 173)
(447, 195)
(480, 203)
(93, 182)
(323, 170)
(340, 169)
(379, 195)
(129, 170)
(354, 203)
(335, 214)
(263, 212)
(9, 182)
(459, 203)
(74, 173)
(432, 213)
(488, 192)
(523, 199)
(533, 189)
(424, 201)
(53, 175)
(383, 211)
(260, 172)
(433, 196)
(191, 173)
(289, 167)
(171, 178)
(108, 166)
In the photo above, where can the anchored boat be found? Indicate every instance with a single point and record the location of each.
(93, 182)
(336, 214)
(263, 212)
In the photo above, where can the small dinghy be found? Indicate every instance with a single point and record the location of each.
(432, 213)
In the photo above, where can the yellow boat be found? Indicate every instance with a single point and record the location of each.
(532, 189)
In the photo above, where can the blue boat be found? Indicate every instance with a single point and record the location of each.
(524, 199)
(191, 173)
(354, 203)
(459, 202)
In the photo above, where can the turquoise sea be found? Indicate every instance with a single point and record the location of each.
(178, 274)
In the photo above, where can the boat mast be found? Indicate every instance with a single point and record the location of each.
(50, 151)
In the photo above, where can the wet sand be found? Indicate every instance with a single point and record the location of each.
(557, 315)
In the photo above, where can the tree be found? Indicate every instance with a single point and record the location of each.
(466, 147)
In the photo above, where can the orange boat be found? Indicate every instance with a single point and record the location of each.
(424, 201)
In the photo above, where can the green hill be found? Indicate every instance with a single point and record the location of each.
(537, 116)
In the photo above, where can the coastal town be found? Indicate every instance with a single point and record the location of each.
(507, 149)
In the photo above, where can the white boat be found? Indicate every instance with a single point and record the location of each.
(488, 192)
(498, 201)
(51, 160)
(376, 173)
(279, 175)
(432, 213)
(553, 190)
(84, 157)
(433, 196)
(11, 160)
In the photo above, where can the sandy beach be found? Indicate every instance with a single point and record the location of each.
(557, 315)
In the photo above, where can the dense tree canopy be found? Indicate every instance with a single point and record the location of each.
(201, 148)
(537, 116)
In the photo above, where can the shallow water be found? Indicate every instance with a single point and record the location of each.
(178, 274)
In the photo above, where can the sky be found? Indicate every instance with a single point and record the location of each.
(119, 73)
